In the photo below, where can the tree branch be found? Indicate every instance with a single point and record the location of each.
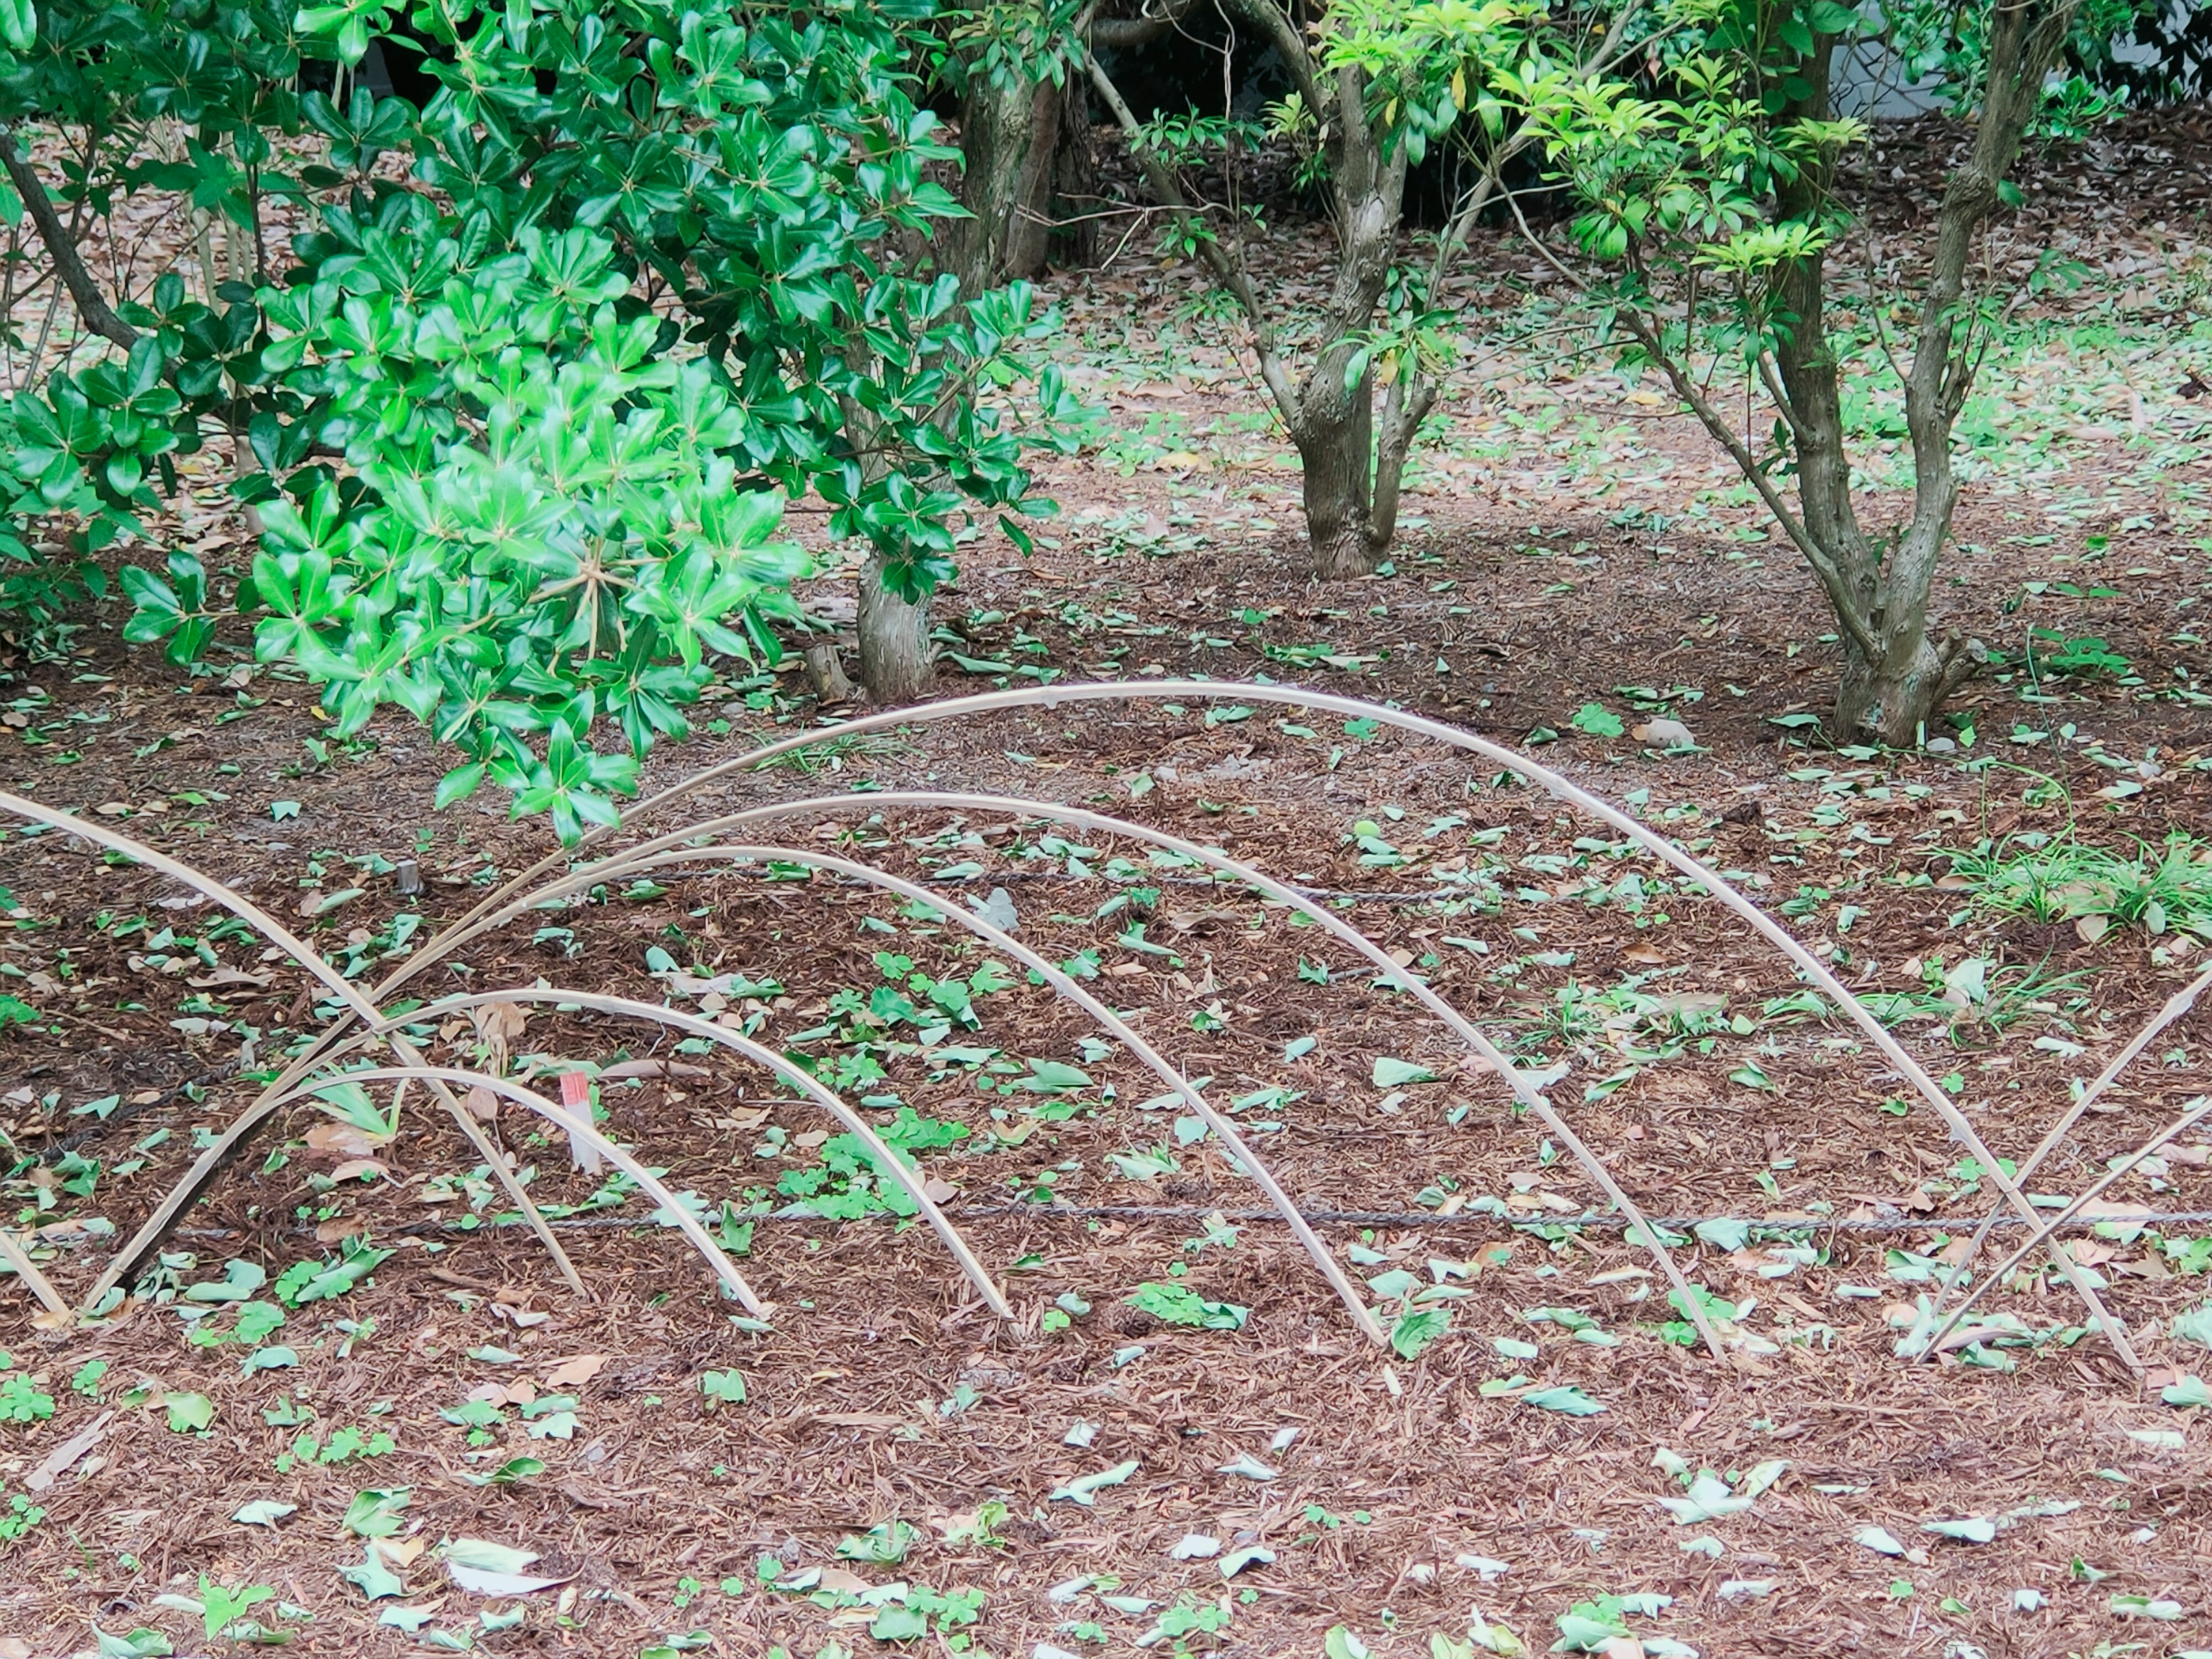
(1271, 20)
(61, 247)
(1831, 578)
(1231, 277)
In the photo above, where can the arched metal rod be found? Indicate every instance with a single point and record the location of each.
(892, 1166)
(18, 1259)
(164, 1216)
(1054, 696)
(1336, 925)
(624, 864)
(2196, 1113)
(2177, 1007)
(579, 1126)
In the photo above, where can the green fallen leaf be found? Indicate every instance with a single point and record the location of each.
(1178, 1304)
(1085, 1489)
(885, 1545)
(1597, 721)
(375, 1512)
(189, 1414)
(1416, 1330)
(140, 1643)
(2144, 1607)
(1725, 1235)
(2195, 1326)
(1568, 1399)
(515, 1469)
(899, 1623)
(1968, 1530)
(373, 1576)
(1394, 1073)
(2189, 1391)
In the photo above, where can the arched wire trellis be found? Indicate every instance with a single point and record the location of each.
(361, 1022)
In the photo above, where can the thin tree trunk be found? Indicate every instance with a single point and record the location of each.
(1334, 430)
(1075, 182)
(1896, 676)
(1334, 439)
(895, 659)
(1404, 408)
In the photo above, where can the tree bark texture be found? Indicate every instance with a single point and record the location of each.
(896, 662)
(1009, 142)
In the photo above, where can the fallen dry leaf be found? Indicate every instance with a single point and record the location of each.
(501, 1025)
(575, 1372)
(402, 1552)
(629, 1068)
(342, 1140)
(58, 1462)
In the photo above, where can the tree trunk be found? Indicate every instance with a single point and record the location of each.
(1404, 408)
(1335, 426)
(1008, 139)
(1895, 677)
(1334, 434)
(895, 659)
(1075, 183)
(1891, 699)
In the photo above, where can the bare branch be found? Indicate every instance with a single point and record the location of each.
(1162, 179)
(61, 247)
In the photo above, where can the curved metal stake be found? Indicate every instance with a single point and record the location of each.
(583, 1129)
(166, 1214)
(858, 1126)
(1052, 696)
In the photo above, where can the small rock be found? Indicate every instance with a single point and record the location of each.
(1664, 734)
(407, 878)
(1940, 746)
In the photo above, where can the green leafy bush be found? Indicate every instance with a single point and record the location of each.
(519, 421)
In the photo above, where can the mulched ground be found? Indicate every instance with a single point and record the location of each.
(884, 1392)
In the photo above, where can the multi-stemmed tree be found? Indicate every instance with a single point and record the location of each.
(1375, 86)
(1709, 222)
